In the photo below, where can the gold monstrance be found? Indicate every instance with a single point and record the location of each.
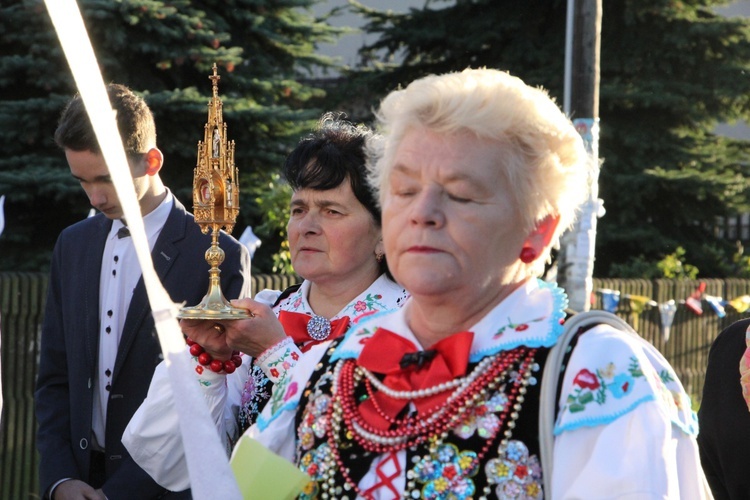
(215, 206)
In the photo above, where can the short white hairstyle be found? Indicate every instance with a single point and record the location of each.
(544, 158)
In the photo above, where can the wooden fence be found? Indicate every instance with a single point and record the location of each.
(22, 297)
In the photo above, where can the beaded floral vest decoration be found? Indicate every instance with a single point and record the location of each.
(481, 443)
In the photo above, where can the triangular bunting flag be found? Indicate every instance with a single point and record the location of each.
(716, 304)
(610, 299)
(740, 304)
(667, 311)
(637, 304)
(694, 301)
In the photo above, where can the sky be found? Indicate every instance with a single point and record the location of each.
(347, 46)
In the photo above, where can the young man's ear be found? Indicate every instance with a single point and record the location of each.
(154, 161)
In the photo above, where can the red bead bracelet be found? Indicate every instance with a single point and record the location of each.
(215, 365)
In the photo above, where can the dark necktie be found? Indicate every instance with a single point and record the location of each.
(123, 232)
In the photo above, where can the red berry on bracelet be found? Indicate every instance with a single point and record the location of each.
(215, 365)
(205, 358)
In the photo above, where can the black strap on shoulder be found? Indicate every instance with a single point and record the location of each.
(286, 293)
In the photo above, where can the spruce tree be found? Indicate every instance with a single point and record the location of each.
(163, 49)
(670, 71)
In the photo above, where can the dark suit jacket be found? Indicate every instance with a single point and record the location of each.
(724, 419)
(70, 341)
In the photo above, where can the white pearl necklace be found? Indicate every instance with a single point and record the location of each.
(430, 391)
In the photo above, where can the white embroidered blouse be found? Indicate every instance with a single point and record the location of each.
(625, 427)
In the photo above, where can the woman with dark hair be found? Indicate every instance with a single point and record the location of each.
(336, 246)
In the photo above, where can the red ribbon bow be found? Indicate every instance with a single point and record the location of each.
(406, 368)
(295, 326)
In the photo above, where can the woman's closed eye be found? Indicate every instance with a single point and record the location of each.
(458, 198)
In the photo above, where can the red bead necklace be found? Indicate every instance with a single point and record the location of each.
(417, 429)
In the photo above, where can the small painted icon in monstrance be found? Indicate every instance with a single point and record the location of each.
(215, 206)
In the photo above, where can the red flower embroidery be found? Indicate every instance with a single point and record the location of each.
(199, 370)
(360, 306)
(586, 379)
(295, 356)
(521, 471)
(449, 471)
(522, 327)
(274, 372)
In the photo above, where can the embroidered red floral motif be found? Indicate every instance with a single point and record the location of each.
(274, 372)
(450, 471)
(360, 306)
(521, 471)
(586, 379)
(522, 327)
(295, 356)
(199, 369)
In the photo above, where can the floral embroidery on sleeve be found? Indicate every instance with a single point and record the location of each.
(609, 379)
(593, 387)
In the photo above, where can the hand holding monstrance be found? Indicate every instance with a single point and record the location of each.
(215, 206)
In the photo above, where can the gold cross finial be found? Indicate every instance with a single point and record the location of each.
(215, 79)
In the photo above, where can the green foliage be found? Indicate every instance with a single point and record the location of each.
(670, 71)
(165, 50)
(671, 266)
(740, 263)
(272, 199)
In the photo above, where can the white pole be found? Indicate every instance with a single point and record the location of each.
(211, 476)
(568, 56)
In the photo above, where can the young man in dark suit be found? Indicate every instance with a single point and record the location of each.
(99, 347)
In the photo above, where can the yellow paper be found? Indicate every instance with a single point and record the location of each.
(263, 475)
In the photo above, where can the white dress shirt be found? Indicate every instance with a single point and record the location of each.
(120, 274)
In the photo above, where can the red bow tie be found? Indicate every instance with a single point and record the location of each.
(307, 331)
(406, 368)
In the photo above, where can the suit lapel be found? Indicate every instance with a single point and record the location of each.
(92, 273)
(164, 254)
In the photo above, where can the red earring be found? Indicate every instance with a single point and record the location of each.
(528, 255)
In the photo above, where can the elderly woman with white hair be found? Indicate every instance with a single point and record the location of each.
(478, 174)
